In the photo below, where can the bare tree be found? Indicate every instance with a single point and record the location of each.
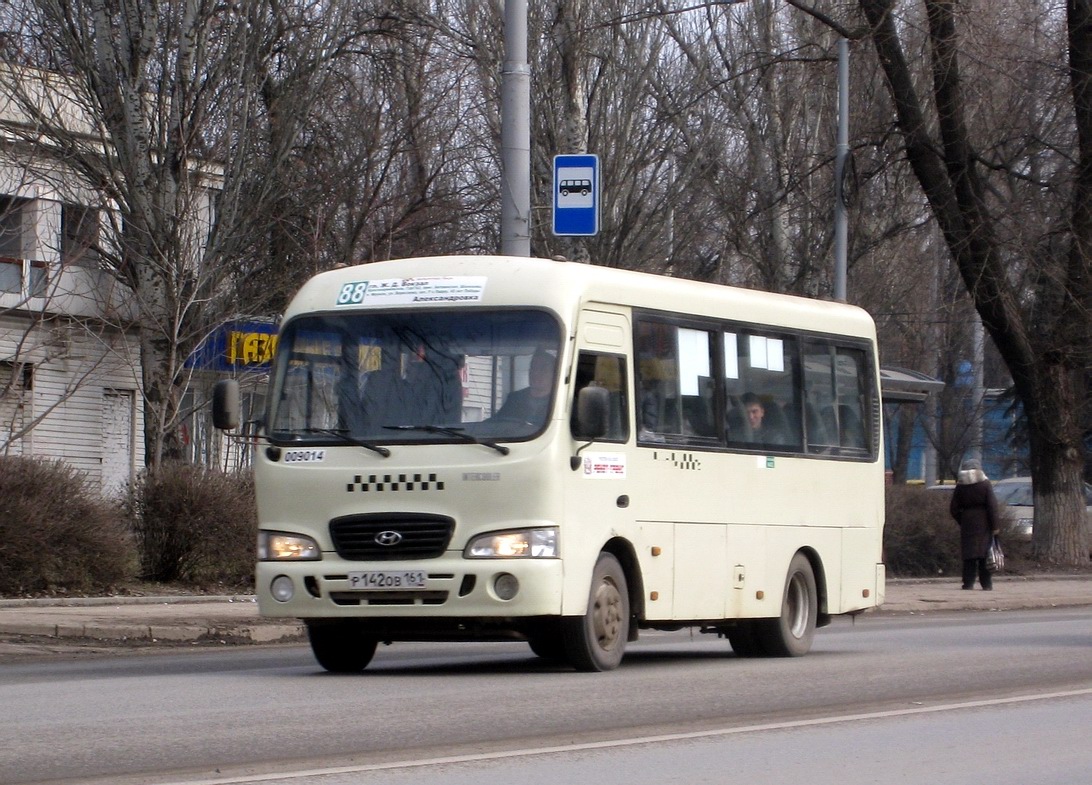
(998, 133)
(187, 113)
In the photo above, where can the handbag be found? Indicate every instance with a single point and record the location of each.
(995, 557)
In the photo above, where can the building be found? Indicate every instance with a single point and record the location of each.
(70, 370)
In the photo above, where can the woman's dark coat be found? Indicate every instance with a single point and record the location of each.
(974, 508)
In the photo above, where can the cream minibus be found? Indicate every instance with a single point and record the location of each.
(495, 448)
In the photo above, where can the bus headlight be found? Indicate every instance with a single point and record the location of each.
(278, 546)
(515, 544)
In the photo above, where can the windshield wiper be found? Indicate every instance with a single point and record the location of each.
(458, 433)
(343, 435)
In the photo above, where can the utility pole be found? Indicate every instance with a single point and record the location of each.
(515, 133)
(841, 154)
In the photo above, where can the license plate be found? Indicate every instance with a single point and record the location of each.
(388, 581)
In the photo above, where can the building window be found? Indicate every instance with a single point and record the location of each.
(11, 226)
(79, 235)
(11, 275)
(16, 382)
(18, 275)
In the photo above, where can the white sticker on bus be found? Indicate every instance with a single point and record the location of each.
(605, 465)
(413, 291)
(305, 456)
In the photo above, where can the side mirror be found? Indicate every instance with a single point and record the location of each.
(592, 412)
(225, 405)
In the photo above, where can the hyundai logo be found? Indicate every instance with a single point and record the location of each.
(388, 538)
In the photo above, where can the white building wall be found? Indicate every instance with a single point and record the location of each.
(73, 367)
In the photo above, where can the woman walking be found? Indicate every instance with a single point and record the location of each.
(974, 508)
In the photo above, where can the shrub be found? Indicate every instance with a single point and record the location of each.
(920, 538)
(57, 532)
(194, 525)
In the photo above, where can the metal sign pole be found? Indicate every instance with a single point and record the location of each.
(515, 133)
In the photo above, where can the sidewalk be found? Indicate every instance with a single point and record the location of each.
(235, 620)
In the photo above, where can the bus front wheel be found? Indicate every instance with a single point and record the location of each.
(596, 641)
(744, 639)
(790, 634)
(341, 646)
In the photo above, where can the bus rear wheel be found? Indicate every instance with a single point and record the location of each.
(341, 646)
(791, 634)
(596, 641)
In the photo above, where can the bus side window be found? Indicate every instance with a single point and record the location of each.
(608, 371)
(835, 380)
(675, 383)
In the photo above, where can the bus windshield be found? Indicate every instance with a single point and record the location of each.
(414, 376)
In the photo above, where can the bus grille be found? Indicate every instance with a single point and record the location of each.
(386, 537)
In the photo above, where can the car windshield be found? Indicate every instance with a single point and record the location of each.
(1016, 494)
(1019, 494)
(416, 376)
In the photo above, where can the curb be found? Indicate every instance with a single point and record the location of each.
(156, 633)
(88, 602)
(249, 630)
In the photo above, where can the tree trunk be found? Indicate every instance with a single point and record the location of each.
(159, 362)
(1047, 362)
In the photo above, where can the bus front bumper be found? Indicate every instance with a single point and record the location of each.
(450, 587)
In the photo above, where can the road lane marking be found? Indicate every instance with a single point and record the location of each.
(286, 776)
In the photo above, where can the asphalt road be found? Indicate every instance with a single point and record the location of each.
(487, 713)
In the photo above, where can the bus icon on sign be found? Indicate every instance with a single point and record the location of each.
(582, 187)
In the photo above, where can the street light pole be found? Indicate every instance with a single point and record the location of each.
(515, 133)
(842, 152)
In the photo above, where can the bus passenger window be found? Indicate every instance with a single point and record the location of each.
(762, 398)
(675, 383)
(836, 390)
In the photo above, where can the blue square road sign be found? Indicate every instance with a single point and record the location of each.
(576, 195)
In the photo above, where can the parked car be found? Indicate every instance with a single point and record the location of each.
(1015, 493)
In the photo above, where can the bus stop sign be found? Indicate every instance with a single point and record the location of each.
(576, 195)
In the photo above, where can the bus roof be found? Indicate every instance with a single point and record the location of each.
(561, 286)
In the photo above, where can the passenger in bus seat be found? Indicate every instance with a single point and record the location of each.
(531, 404)
(761, 429)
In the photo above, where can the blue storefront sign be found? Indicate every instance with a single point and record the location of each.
(237, 346)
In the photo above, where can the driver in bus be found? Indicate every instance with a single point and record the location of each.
(531, 403)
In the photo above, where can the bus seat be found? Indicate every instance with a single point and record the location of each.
(774, 425)
(830, 423)
(792, 422)
(697, 416)
(852, 433)
(817, 431)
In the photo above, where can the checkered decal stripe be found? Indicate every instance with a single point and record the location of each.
(687, 461)
(394, 482)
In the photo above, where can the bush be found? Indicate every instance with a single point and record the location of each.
(920, 538)
(57, 533)
(194, 525)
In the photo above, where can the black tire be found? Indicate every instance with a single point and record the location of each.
(596, 641)
(791, 634)
(744, 640)
(342, 646)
